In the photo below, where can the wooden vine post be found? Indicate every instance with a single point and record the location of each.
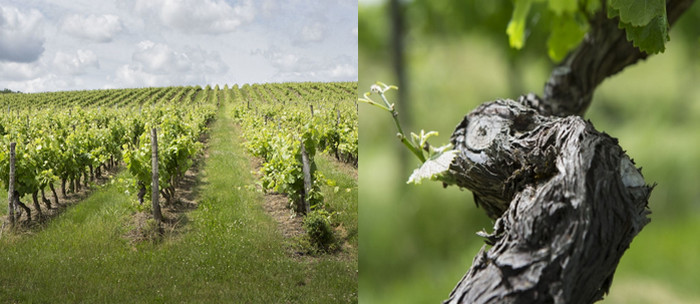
(154, 174)
(337, 126)
(11, 186)
(566, 199)
(306, 170)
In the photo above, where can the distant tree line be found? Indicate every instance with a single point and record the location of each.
(8, 91)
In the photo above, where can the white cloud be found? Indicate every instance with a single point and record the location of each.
(160, 58)
(312, 33)
(285, 62)
(21, 35)
(59, 45)
(92, 27)
(343, 71)
(18, 71)
(44, 83)
(293, 66)
(198, 16)
(76, 64)
(157, 64)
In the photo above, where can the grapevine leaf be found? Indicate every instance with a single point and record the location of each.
(650, 38)
(637, 12)
(566, 34)
(433, 167)
(516, 26)
(563, 6)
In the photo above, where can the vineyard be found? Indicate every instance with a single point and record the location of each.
(56, 145)
(74, 145)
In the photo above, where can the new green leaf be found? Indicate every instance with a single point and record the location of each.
(433, 168)
(566, 34)
(650, 38)
(516, 26)
(637, 12)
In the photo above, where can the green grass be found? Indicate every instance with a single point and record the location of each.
(230, 251)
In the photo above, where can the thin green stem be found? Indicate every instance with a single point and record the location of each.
(380, 88)
(395, 115)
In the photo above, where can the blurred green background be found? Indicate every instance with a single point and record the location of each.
(416, 242)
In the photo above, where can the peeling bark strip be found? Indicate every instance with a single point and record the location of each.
(566, 198)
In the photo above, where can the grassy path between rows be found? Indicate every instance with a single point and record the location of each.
(229, 251)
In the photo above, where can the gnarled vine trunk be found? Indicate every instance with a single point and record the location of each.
(566, 199)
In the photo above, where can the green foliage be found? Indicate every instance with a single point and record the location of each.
(277, 120)
(645, 23)
(229, 238)
(650, 38)
(636, 12)
(516, 26)
(56, 140)
(178, 130)
(566, 28)
(561, 7)
(319, 230)
(282, 172)
(567, 32)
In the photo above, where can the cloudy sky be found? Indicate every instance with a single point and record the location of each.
(85, 44)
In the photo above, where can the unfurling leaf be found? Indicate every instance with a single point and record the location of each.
(433, 167)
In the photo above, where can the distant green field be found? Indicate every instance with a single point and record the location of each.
(417, 241)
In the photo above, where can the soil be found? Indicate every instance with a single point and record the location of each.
(291, 225)
(277, 205)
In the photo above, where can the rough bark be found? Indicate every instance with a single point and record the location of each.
(23, 206)
(566, 199)
(142, 192)
(63, 187)
(35, 200)
(46, 201)
(55, 196)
